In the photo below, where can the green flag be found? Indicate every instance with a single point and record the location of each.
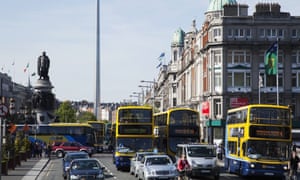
(271, 59)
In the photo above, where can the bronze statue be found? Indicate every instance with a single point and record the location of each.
(43, 66)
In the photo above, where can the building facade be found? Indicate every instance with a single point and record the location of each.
(222, 64)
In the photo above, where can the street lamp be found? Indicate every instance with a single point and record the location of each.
(152, 87)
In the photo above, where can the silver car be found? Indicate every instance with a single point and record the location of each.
(157, 167)
(135, 162)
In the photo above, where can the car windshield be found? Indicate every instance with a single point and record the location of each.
(85, 165)
(201, 151)
(158, 161)
(140, 156)
(77, 156)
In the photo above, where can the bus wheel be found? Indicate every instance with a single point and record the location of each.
(59, 154)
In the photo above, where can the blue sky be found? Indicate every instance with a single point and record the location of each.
(133, 34)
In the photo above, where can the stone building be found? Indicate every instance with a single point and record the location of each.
(221, 65)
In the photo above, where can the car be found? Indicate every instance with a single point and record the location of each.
(202, 159)
(157, 167)
(69, 157)
(85, 169)
(65, 147)
(136, 161)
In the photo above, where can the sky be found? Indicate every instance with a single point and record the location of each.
(133, 34)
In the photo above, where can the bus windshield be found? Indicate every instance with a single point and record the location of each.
(271, 150)
(184, 117)
(134, 144)
(264, 115)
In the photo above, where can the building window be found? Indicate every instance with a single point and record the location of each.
(239, 57)
(217, 57)
(261, 33)
(174, 102)
(218, 81)
(217, 107)
(175, 55)
(230, 33)
(295, 57)
(217, 32)
(294, 33)
(248, 33)
(239, 79)
(296, 79)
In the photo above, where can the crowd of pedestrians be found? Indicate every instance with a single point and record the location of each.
(40, 149)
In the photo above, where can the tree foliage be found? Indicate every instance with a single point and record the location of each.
(66, 113)
(86, 116)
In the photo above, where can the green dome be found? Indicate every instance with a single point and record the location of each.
(178, 37)
(217, 5)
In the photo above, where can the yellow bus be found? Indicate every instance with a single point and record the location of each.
(176, 126)
(133, 133)
(99, 127)
(258, 140)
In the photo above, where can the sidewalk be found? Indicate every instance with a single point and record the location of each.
(29, 170)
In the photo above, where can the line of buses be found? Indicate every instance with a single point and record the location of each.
(257, 140)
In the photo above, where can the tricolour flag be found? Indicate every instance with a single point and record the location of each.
(27, 66)
(271, 59)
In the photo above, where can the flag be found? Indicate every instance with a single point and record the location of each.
(13, 63)
(27, 66)
(161, 56)
(159, 65)
(271, 59)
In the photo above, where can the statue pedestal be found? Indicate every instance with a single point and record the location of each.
(44, 101)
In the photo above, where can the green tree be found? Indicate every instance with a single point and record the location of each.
(66, 113)
(86, 116)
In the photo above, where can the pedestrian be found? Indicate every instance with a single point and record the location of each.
(49, 150)
(293, 164)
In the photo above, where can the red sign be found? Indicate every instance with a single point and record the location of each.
(205, 108)
(238, 102)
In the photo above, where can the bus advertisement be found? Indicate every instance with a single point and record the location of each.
(258, 140)
(175, 126)
(133, 133)
(62, 132)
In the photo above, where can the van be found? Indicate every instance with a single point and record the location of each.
(201, 157)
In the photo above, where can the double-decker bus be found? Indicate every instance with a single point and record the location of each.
(176, 126)
(47, 133)
(133, 133)
(99, 127)
(258, 140)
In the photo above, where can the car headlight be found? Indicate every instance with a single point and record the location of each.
(74, 177)
(100, 175)
(285, 168)
(252, 165)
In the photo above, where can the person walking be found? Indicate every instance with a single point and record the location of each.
(293, 165)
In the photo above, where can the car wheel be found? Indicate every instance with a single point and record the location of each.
(60, 154)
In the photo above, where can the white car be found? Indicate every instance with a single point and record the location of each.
(136, 161)
(157, 167)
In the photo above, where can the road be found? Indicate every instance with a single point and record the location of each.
(53, 171)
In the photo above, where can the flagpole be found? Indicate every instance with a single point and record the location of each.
(277, 84)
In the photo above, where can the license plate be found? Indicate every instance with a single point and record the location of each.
(269, 174)
(205, 171)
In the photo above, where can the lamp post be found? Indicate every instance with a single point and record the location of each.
(153, 88)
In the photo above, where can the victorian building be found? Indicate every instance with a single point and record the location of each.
(221, 65)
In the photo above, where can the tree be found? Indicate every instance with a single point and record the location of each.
(86, 116)
(66, 113)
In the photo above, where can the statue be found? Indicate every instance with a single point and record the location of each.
(43, 66)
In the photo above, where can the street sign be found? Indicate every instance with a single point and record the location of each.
(3, 110)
